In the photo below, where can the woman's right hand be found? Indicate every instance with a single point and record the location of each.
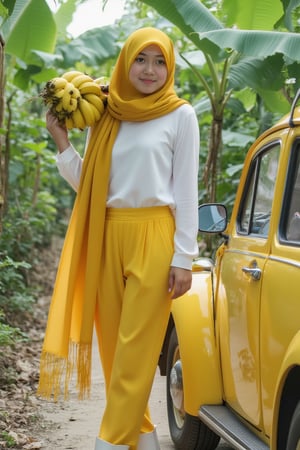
(58, 132)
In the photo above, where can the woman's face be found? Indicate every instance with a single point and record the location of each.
(148, 73)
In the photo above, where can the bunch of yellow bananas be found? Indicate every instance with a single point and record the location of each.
(76, 99)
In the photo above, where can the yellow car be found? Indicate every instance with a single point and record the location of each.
(232, 350)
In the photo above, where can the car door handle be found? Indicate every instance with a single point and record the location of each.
(254, 271)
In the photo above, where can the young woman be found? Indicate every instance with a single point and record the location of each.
(131, 239)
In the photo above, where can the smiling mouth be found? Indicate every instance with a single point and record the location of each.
(147, 81)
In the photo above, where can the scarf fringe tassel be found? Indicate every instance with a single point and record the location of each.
(56, 372)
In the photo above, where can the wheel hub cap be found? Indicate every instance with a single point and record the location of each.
(176, 385)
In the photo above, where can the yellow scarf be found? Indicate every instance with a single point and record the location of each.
(68, 337)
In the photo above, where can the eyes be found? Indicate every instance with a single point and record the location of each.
(158, 60)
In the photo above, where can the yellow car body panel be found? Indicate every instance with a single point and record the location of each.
(193, 317)
(291, 359)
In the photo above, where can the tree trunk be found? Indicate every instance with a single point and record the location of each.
(211, 166)
(2, 159)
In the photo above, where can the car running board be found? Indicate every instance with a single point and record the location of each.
(221, 420)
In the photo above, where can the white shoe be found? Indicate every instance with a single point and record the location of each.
(103, 445)
(148, 441)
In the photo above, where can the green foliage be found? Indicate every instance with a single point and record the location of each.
(43, 50)
(94, 47)
(4, 12)
(254, 15)
(256, 43)
(64, 15)
(9, 335)
(42, 34)
(15, 295)
(34, 199)
(37, 201)
(10, 442)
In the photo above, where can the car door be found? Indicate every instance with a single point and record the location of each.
(280, 318)
(241, 276)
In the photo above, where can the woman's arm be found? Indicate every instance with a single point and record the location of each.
(185, 185)
(69, 162)
(185, 178)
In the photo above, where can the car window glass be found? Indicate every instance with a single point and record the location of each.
(293, 211)
(258, 197)
(248, 200)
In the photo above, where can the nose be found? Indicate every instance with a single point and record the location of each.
(149, 67)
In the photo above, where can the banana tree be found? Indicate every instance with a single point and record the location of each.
(242, 50)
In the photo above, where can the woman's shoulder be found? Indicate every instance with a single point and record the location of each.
(184, 114)
(181, 117)
(186, 109)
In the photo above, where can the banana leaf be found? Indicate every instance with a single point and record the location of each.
(94, 47)
(252, 15)
(30, 26)
(256, 43)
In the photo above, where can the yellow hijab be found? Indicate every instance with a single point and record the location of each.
(68, 337)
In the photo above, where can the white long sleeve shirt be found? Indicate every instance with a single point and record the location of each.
(154, 163)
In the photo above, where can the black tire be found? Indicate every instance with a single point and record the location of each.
(293, 442)
(187, 432)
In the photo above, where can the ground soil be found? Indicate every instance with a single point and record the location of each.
(27, 422)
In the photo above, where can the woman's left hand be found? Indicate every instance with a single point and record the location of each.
(180, 281)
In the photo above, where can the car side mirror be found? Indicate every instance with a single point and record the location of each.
(212, 218)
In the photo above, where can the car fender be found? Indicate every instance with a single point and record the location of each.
(290, 360)
(193, 316)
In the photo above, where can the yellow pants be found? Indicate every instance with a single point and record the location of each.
(132, 313)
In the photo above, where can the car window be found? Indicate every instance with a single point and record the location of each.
(256, 206)
(292, 199)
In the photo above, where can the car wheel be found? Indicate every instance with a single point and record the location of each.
(293, 442)
(187, 432)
